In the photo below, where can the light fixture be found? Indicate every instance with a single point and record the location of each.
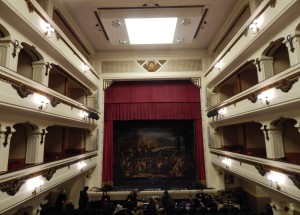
(81, 165)
(122, 42)
(116, 23)
(42, 101)
(85, 68)
(180, 40)
(34, 183)
(227, 162)
(255, 25)
(218, 66)
(84, 114)
(145, 30)
(49, 30)
(277, 178)
(222, 111)
(186, 21)
(266, 96)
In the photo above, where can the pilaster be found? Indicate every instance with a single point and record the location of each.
(35, 146)
(273, 140)
(9, 53)
(40, 72)
(267, 69)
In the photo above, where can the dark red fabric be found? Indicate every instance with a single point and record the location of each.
(152, 111)
(108, 158)
(200, 151)
(155, 100)
(154, 91)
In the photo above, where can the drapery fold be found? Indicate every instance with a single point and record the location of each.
(155, 100)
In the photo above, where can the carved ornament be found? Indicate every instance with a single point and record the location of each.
(22, 90)
(151, 66)
(286, 84)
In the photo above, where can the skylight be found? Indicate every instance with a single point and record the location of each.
(151, 30)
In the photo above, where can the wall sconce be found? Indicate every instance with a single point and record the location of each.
(277, 178)
(222, 111)
(34, 183)
(81, 165)
(255, 25)
(227, 162)
(266, 96)
(218, 66)
(42, 101)
(84, 114)
(85, 68)
(48, 30)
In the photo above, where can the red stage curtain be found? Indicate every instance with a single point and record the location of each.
(155, 100)
(108, 157)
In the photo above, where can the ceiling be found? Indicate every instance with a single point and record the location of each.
(94, 18)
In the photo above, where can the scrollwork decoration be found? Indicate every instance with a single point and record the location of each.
(286, 84)
(6, 133)
(54, 101)
(12, 187)
(22, 90)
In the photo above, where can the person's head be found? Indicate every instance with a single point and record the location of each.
(86, 188)
(139, 205)
(166, 192)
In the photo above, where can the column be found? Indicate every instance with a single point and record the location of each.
(35, 146)
(274, 143)
(90, 100)
(282, 208)
(89, 141)
(267, 70)
(9, 53)
(40, 72)
(5, 136)
(216, 138)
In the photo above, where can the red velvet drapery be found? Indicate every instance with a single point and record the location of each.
(155, 100)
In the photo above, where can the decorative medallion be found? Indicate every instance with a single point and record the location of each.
(151, 66)
(11, 187)
(286, 84)
(22, 90)
(253, 97)
(49, 174)
(262, 171)
(30, 6)
(58, 36)
(54, 101)
(295, 177)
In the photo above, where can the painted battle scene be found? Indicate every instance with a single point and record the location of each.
(154, 149)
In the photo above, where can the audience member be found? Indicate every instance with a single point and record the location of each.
(160, 210)
(83, 198)
(60, 200)
(151, 208)
(69, 207)
(138, 210)
(105, 200)
(167, 202)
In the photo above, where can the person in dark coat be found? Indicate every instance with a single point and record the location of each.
(167, 202)
(60, 200)
(83, 198)
(69, 208)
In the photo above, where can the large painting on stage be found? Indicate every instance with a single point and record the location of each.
(154, 149)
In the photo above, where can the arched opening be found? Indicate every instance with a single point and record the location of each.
(275, 58)
(281, 59)
(290, 138)
(248, 139)
(61, 82)
(242, 79)
(18, 144)
(28, 55)
(54, 143)
(3, 32)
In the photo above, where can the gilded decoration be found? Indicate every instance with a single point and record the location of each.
(286, 84)
(151, 66)
(22, 90)
(11, 187)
